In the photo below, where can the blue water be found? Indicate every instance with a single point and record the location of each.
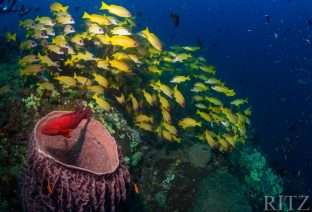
(270, 63)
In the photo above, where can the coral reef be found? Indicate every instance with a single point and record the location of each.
(219, 192)
(74, 174)
(172, 93)
(199, 155)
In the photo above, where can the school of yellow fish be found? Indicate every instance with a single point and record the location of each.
(171, 93)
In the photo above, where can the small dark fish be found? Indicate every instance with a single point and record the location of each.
(140, 14)
(23, 11)
(175, 18)
(309, 22)
(268, 19)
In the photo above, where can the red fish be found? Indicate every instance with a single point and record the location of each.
(64, 124)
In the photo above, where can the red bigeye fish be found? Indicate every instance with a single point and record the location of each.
(64, 124)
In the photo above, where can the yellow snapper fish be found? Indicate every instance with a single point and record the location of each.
(45, 20)
(213, 81)
(82, 80)
(179, 58)
(101, 80)
(178, 96)
(120, 31)
(83, 56)
(101, 20)
(239, 102)
(148, 97)
(225, 90)
(209, 137)
(143, 118)
(145, 126)
(120, 65)
(122, 41)
(38, 34)
(97, 89)
(69, 29)
(170, 128)
(65, 20)
(152, 39)
(120, 99)
(208, 69)
(55, 49)
(66, 81)
(95, 29)
(102, 63)
(28, 44)
(134, 102)
(10, 37)
(46, 60)
(180, 79)
(164, 88)
(32, 69)
(116, 10)
(50, 31)
(60, 41)
(28, 59)
(199, 87)
(166, 115)
(164, 103)
(27, 24)
(46, 86)
(206, 116)
(78, 39)
(214, 101)
(189, 123)
(101, 102)
(57, 7)
(113, 20)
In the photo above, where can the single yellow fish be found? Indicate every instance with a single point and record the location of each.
(27, 24)
(238, 102)
(143, 118)
(97, 19)
(116, 10)
(189, 123)
(145, 126)
(152, 39)
(77, 39)
(82, 80)
(166, 115)
(122, 41)
(46, 86)
(55, 49)
(45, 20)
(101, 80)
(28, 44)
(178, 96)
(57, 7)
(97, 89)
(148, 97)
(134, 102)
(120, 31)
(66, 81)
(65, 20)
(214, 101)
(95, 29)
(28, 59)
(46, 60)
(206, 116)
(120, 65)
(209, 137)
(225, 90)
(180, 79)
(164, 103)
(102, 102)
(32, 69)
(10, 37)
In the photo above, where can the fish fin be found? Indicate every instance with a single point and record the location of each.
(85, 15)
(104, 6)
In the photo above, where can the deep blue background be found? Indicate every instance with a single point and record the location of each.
(270, 63)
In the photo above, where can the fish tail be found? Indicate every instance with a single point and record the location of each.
(104, 6)
(66, 8)
(85, 15)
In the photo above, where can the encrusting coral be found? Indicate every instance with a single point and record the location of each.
(168, 92)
